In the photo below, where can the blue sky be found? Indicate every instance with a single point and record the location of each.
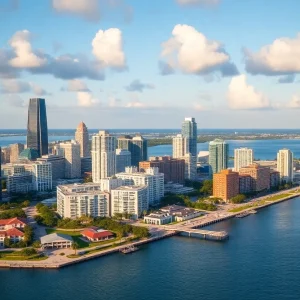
(149, 64)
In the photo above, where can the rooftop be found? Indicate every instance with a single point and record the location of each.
(55, 237)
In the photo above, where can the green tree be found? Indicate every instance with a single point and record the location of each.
(3, 184)
(207, 188)
(28, 234)
(7, 243)
(238, 199)
(75, 246)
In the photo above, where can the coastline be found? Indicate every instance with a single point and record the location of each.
(295, 192)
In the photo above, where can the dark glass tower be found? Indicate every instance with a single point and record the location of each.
(189, 131)
(37, 130)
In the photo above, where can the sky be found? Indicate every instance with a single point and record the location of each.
(151, 63)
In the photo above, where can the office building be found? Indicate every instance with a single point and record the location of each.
(243, 157)
(71, 152)
(37, 130)
(57, 165)
(172, 168)
(15, 151)
(103, 156)
(123, 160)
(218, 156)
(77, 200)
(82, 138)
(190, 168)
(285, 165)
(42, 177)
(226, 184)
(189, 132)
(245, 184)
(137, 146)
(260, 176)
(151, 178)
(129, 199)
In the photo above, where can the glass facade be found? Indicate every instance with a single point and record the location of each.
(189, 131)
(218, 156)
(37, 130)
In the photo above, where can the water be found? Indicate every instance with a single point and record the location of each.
(260, 261)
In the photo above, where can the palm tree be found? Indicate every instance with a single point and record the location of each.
(75, 246)
(144, 212)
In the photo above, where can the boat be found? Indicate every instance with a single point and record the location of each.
(129, 249)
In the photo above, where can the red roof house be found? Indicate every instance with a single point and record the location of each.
(95, 235)
(12, 223)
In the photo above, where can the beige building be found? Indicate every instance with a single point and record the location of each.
(15, 150)
(285, 165)
(226, 184)
(82, 138)
(260, 176)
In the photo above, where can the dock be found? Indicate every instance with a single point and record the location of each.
(129, 249)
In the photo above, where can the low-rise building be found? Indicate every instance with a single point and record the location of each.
(176, 188)
(14, 234)
(6, 224)
(95, 234)
(56, 240)
(158, 218)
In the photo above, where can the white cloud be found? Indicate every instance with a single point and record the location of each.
(191, 52)
(87, 9)
(77, 85)
(14, 86)
(243, 96)
(280, 57)
(37, 90)
(86, 99)
(135, 104)
(198, 2)
(25, 58)
(108, 48)
(295, 102)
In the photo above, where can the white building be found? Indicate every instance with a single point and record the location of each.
(152, 178)
(285, 165)
(130, 199)
(82, 138)
(74, 201)
(190, 167)
(108, 184)
(243, 157)
(123, 160)
(103, 156)
(42, 176)
(179, 146)
(71, 152)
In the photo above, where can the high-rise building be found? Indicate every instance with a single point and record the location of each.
(243, 157)
(172, 168)
(226, 184)
(123, 160)
(74, 201)
(82, 138)
(42, 177)
(190, 168)
(274, 179)
(58, 165)
(260, 176)
(285, 165)
(136, 145)
(103, 156)
(245, 184)
(151, 178)
(218, 156)
(15, 150)
(5, 155)
(71, 152)
(179, 146)
(37, 130)
(129, 199)
(189, 131)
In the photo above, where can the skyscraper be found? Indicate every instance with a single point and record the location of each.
(123, 160)
(218, 156)
(82, 138)
(189, 131)
(103, 156)
(243, 157)
(285, 164)
(37, 130)
(179, 146)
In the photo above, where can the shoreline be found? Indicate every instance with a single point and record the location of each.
(53, 265)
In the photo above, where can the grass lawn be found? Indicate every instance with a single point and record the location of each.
(238, 209)
(277, 197)
(13, 256)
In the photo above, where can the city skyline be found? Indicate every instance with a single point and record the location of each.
(252, 78)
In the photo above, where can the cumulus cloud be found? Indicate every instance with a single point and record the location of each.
(241, 95)
(76, 85)
(287, 79)
(86, 99)
(295, 102)
(282, 57)
(37, 90)
(25, 57)
(190, 51)
(108, 48)
(87, 9)
(12, 86)
(198, 2)
(138, 86)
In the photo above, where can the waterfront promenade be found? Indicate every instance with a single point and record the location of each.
(55, 260)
